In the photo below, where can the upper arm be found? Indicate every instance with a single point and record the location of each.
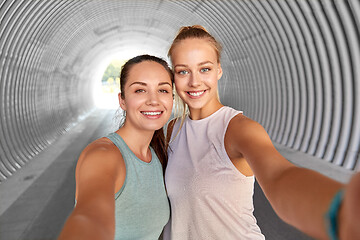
(98, 170)
(250, 140)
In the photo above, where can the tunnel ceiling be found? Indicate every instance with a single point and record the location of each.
(291, 65)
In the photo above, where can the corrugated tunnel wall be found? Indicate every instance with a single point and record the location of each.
(293, 66)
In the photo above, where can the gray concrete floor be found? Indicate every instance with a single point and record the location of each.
(36, 200)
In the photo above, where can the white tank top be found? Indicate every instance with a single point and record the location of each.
(209, 197)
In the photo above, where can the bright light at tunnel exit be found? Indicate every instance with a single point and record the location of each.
(105, 90)
(107, 85)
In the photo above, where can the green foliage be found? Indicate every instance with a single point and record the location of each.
(113, 70)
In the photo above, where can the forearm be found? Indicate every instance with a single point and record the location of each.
(302, 197)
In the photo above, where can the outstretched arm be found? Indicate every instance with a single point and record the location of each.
(299, 196)
(96, 174)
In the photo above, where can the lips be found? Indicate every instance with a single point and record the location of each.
(152, 114)
(196, 94)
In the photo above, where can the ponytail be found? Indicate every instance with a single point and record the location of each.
(158, 144)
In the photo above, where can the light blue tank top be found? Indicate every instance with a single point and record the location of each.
(141, 205)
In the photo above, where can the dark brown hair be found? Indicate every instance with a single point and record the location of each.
(158, 139)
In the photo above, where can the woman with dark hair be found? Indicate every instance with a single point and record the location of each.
(120, 190)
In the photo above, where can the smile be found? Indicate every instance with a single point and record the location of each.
(152, 113)
(196, 93)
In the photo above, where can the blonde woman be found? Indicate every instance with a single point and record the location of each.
(215, 151)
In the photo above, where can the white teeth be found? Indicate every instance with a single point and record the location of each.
(151, 113)
(195, 94)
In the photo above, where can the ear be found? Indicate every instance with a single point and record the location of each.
(122, 102)
(220, 72)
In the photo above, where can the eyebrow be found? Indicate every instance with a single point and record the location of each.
(200, 64)
(144, 84)
(164, 83)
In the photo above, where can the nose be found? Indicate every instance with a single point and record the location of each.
(194, 80)
(153, 99)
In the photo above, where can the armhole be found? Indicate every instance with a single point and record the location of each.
(118, 193)
(117, 144)
(225, 152)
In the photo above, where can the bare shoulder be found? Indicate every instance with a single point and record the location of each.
(100, 166)
(101, 156)
(101, 146)
(242, 125)
(243, 134)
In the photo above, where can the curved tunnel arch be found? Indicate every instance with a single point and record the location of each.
(291, 65)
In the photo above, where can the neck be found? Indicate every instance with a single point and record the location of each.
(210, 108)
(137, 140)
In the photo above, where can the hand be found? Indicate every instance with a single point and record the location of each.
(349, 216)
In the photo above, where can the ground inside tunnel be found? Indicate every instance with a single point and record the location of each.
(42, 208)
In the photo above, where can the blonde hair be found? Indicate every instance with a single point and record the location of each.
(191, 32)
(195, 31)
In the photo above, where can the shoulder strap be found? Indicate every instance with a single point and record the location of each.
(120, 144)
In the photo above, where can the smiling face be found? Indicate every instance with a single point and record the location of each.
(197, 72)
(147, 96)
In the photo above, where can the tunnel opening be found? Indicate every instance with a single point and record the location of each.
(104, 72)
(108, 87)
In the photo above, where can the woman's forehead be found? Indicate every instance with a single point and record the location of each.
(193, 51)
(148, 71)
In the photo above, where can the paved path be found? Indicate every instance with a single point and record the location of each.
(35, 202)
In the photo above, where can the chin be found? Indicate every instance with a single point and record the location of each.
(196, 105)
(154, 127)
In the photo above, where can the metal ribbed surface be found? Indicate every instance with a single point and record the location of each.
(291, 65)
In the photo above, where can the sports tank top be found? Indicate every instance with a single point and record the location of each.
(209, 197)
(141, 205)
